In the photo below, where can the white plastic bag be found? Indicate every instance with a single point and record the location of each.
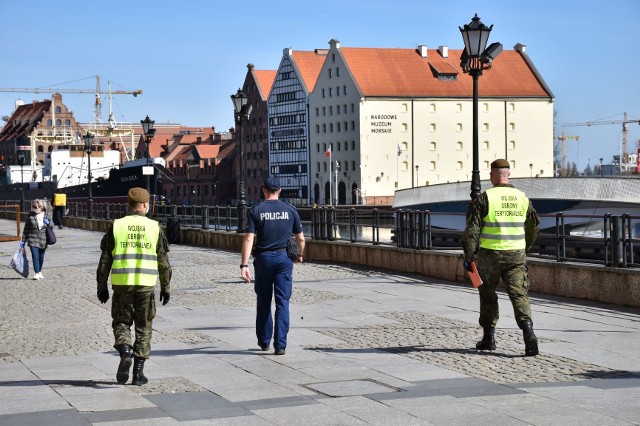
(19, 263)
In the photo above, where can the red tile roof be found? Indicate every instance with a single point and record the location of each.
(309, 64)
(24, 119)
(264, 79)
(404, 73)
(207, 151)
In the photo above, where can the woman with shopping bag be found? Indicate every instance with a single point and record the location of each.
(35, 236)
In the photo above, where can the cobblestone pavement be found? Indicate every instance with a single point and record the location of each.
(447, 343)
(58, 316)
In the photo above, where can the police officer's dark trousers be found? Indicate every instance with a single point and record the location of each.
(133, 304)
(274, 273)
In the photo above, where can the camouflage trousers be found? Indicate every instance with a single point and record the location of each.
(511, 266)
(133, 305)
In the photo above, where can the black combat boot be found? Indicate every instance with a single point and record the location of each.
(530, 339)
(126, 353)
(488, 342)
(138, 372)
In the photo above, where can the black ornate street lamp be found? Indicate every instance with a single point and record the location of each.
(475, 59)
(601, 160)
(149, 131)
(21, 163)
(88, 142)
(242, 109)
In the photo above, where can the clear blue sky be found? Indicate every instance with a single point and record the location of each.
(189, 56)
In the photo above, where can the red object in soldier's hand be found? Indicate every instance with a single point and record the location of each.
(474, 276)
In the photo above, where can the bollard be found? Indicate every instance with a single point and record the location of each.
(173, 229)
(617, 246)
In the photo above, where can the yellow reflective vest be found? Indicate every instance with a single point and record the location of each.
(135, 261)
(503, 226)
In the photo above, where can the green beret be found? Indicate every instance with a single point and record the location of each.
(500, 164)
(138, 195)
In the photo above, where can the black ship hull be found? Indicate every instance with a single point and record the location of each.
(114, 189)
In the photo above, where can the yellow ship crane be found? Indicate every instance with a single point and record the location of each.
(563, 138)
(98, 91)
(625, 130)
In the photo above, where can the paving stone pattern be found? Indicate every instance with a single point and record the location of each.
(449, 343)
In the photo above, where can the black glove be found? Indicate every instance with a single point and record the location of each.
(164, 297)
(467, 265)
(103, 296)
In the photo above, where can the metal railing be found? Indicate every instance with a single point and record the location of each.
(615, 243)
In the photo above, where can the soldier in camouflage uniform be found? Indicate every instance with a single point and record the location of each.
(134, 252)
(504, 224)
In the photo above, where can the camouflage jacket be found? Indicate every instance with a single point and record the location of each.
(106, 260)
(478, 209)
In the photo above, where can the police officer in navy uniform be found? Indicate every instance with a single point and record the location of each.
(272, 221)
(503, 222)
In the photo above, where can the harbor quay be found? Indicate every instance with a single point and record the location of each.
(366, 346)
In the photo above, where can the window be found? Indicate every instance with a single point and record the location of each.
(459, 127)
(459, 146)
(49, 122)
(405, 127)
(485, 165)
(317, 128)
(337, 71)
(432, 127)
(338, 145)
(337, 90)
(485, 127)
(432, 107)
(338, 109)
(458, 107)
(485, 107)
(405, 146)
(346, 146)
(512, 107)
(338, 126)
(317, 112)
(330, 110)
(485, 145)
(329, 70)
(512, 127)
(330, 92)
(344, 90)
(405, 107)
(67, 122)
(353, 106)
(353, 125)
(58, 109)
(459, 165)
(318, 167)
(432, 146)
(58, 122)
(324, 111)
(331, 127)
(432, 165)
(353, 165)
(324, 128)
(323, 93)
(512, 144)
(353, 145)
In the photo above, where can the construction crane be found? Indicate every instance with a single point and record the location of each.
(98, 102)
(625, 130)
(564, 139)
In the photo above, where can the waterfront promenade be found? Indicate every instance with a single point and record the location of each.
(365, 347)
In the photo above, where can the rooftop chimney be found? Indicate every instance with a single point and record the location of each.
(444, 51)
(422, 49)
(522, 48)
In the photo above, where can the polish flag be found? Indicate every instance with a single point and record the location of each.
(328, 152)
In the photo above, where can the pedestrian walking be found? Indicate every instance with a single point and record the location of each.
(134, 251)
(59, 207)
(271, 223)
(34, 235)
(503, 222)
